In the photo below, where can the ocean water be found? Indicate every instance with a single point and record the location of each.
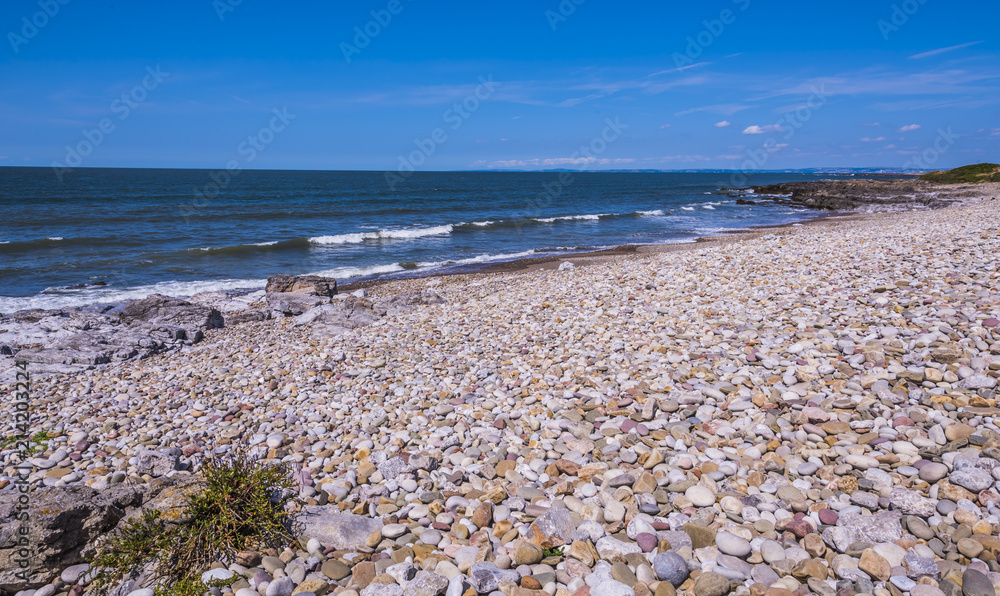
(102, 235)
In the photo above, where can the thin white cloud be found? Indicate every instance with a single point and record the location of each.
(871, 140)
(909, 128)
(664, 126)
(726, 109)
(872, 124)
(559, 161)
(759, 130)
(679, 69)
(943, 50)
(722, 124)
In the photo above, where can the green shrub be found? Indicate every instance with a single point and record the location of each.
(241, 507)
(981, 172)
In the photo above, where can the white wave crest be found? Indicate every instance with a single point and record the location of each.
(65, 297)
(587, 217)
(383, 235)
(345, 272)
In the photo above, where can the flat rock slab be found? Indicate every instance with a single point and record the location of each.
(334, 528)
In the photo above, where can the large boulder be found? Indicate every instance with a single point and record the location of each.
(293, 305)
(341, 315)
(409, 300)
(852, 527)
(171, 314)
(334, 528)
(65, 523)
(302, 284)
(62, 525)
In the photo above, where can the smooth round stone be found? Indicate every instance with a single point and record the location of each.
(71, 574)
(974, 479)
(614, 512)
(945, 506)
(646, 541)
(671, 567)
(772, 551)
(394, 530)
(807, 469)
(861, 462)
(902, 582)
(700, 496)
(150, 592)
(828, 516)
(216, 575)
(933, 471)
(732, 545)
(280, 587)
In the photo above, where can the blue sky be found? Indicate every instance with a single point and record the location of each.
(739, 84)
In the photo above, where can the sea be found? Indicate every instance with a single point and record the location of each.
(104, 235)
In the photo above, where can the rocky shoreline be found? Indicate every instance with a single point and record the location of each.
(802, 410)
(872, 195)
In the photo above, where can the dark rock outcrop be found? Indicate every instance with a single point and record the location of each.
(172, 314)
(66, 523)
(859, 194)
(302, 284)
(72, 339)
(292, 304)
(351, 312)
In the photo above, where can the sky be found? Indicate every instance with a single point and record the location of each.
(411, 85)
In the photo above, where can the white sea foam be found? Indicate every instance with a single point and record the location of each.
(66, 297)
(587, 217)
(687, 208)
(708, 207)
(405, 234)
(483, 224)
(346, 272)
(55, 238)
(654, 212)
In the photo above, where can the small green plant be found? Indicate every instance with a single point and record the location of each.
(34, 443)
(241, 507)
(553, 552)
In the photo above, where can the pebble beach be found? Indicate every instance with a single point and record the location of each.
(800, 410)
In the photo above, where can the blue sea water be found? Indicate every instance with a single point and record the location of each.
(178, 232)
